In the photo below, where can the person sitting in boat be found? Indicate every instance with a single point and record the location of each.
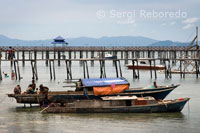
(43, 89)
(154, 84)
(37, 91)
(29, 90)
(17, 89)
(33, 85)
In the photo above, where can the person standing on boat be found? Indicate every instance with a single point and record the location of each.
(0, 53)
(9, 53)
(12, 53)
(17, 89)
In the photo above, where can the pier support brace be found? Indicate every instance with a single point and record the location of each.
(0, 71)
(17, 70)
(34, 69)
(69, 69)
(52, 69)
(116, 68)
(102, 69)
(85, 69)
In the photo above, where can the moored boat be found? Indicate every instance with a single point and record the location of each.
(144, 65)
(95, 89)
(118, 104)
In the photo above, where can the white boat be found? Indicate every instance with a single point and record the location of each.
(145, 65)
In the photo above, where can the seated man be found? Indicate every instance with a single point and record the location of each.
(17, 89)
(29, 90)
(43, 89)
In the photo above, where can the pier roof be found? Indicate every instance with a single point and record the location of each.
(59, 40)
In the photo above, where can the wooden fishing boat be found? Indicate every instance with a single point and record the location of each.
(90, 90)
(144, 65)
(118, 104)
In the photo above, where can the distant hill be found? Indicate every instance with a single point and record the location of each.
(111, 41)
(169, 43)
(83, 41)
(87, 41)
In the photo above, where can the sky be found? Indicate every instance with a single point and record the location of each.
(46, 19)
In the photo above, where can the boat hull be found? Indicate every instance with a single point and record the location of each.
(175, 106)
(112, 57)
(145, 67)
(62, 97)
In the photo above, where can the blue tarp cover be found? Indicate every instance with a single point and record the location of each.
(103, 81)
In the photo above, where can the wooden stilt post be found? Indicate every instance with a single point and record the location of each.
(68, 68)
(35, 54)
(122, 55)
(54, 73)
(17, 54)
(47, 58)
(87, 70)
(23, 58)
(58, 57)
(150, 68)
(92, 56)
(169, 69)
(155, 69)
(0, 71)
(84, 75)
(138, 73)
(101, 68)
(86, 54)
(134, 75)
(42, 54)
(74, 54)
(104, 69)
(15, 70)
(181, 69)
(33, 72)
(19, 76)
(50, 70)
(34, 69)
(120, 69)
(6, 55)
(164, 61)
(116, 68)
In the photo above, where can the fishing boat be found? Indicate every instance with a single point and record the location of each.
(95, 89)
(109, 56)
(145, 65)
(106, 56)
(118, 104)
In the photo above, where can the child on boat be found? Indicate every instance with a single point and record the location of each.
(17, 89)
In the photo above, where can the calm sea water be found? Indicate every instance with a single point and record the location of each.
(15, 118)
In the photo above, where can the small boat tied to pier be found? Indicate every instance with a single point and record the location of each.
(144, 65)
(118, 104)
(95, 89)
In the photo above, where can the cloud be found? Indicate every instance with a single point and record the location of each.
(188, 26)
(126, 22)
(189, 23)
(173, 23)
(163, 24)
(190, 20)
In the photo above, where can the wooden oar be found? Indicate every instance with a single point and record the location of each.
(45, 108)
